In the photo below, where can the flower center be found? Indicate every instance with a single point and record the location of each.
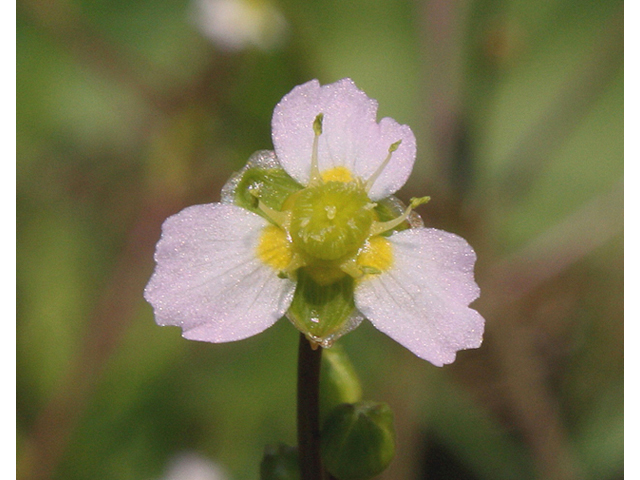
(331, 220)
(274, 248)
(337, 174)
(331, 227)
(376, 256)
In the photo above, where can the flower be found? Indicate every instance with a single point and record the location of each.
(313, 232)
(234, 25)
(193, 466)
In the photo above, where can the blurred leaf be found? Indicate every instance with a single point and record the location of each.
(479, 441)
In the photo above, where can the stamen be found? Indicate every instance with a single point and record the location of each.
(417, 201)
(372, 179)
(314, 175)
(350, 267)
(279, 218)
(370, 270)
(317, 124)
(380, 227)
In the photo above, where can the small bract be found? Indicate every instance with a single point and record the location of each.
(312, 232)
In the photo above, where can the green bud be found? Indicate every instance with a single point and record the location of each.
(280, 463)
(338, 381)
(331, 220)
(358, 440)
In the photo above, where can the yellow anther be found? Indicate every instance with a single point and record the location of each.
(376, 256)
(337, 174)
(274, 248)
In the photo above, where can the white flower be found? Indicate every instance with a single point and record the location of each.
(225, 273)
(238, 24)
(193, 466)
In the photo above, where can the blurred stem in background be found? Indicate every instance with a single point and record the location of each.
(459, 105)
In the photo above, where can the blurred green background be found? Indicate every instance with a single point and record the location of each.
(130, 110)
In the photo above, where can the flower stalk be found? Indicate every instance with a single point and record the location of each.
(309, 360)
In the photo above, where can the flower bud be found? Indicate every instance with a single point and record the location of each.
(358, 440)
(280, 462)
(338, 381)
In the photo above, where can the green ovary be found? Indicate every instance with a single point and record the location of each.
(331, 220)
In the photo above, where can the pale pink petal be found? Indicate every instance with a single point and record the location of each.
(351, 136)
(422, 300)
(208, 279)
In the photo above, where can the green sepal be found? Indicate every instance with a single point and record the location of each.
(272, 185)
(358, 440)
(261, 179)
(280, 462)
(339, 382)
(323, 312)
